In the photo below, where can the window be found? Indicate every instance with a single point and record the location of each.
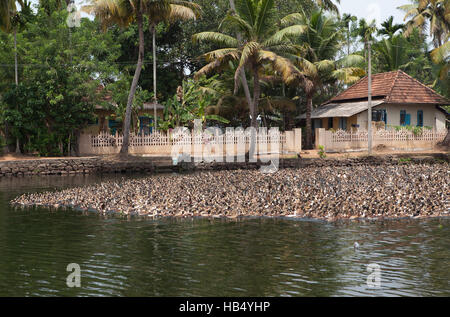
(420, 118)
(113, 126)
(343, 123)
(379, 115)
(330, 123)
(402, 117)
(144, 123)
(317, 123)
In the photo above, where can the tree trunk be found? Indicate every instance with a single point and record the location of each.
(348, 40)
(16, 73)
(137, 73)
(243, 78)
(256, 95)
(155, 99)
(308, 121)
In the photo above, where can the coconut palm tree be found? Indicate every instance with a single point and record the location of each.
(393, 53)
(328, 5)
(347, 21)
(434, 14)
(123, 13)
(167, 11)
(254, 21)
(389, 28)
(317, 59)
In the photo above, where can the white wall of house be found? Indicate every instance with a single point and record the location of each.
(440, 120)
(432, 117)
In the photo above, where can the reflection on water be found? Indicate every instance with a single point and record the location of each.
(257, 257)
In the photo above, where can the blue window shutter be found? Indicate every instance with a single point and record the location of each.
(408, 119)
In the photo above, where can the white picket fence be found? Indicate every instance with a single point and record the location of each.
(162, 143)
(396, 139)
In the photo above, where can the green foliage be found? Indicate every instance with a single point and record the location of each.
(60, 70)
(321, 152)
(416, 130)
(195, 99)
(406, 160)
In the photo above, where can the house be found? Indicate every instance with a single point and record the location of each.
(397, 100)
(106, 118)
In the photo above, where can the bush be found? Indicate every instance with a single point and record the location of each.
(322, 152)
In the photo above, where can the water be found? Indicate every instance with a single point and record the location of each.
(122, 256)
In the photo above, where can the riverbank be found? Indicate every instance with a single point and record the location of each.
(156, 164)
(326, 192)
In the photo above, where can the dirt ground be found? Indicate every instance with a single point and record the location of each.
(314, 153)
(303, 154)
(21, 157)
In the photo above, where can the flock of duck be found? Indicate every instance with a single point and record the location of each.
(328, 193)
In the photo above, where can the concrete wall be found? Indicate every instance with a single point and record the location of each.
(325, 138)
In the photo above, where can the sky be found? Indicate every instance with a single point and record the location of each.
(379, 10)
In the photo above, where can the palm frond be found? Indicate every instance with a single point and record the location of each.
(350, 60)
(279, 37)
(233, 52)
(249, 49)
(348, 75)
(289, 73)
(215, 37)
(179, 12)
(293, 18)
(441, 53)
(237, 24)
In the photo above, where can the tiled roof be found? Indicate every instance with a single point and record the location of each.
(392, 87)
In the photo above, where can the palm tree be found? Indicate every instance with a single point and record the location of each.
(166, 11)
(366, 30)
(328, 5)
(432, 13)
(123, 13)
(389, 28)
(347, 20)
(317, 59)
(255, 22)
(393, 53)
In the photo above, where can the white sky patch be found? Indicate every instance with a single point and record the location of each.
(381, 10)
(373, 12)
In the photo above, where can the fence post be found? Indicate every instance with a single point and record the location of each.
(85, 144)
(290, 145)
(298, 140)
(320, 137)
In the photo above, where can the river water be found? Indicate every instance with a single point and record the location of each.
(121, 256)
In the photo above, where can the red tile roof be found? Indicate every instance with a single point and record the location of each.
(393, 87)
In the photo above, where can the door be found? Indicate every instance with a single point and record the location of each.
(343, 123)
